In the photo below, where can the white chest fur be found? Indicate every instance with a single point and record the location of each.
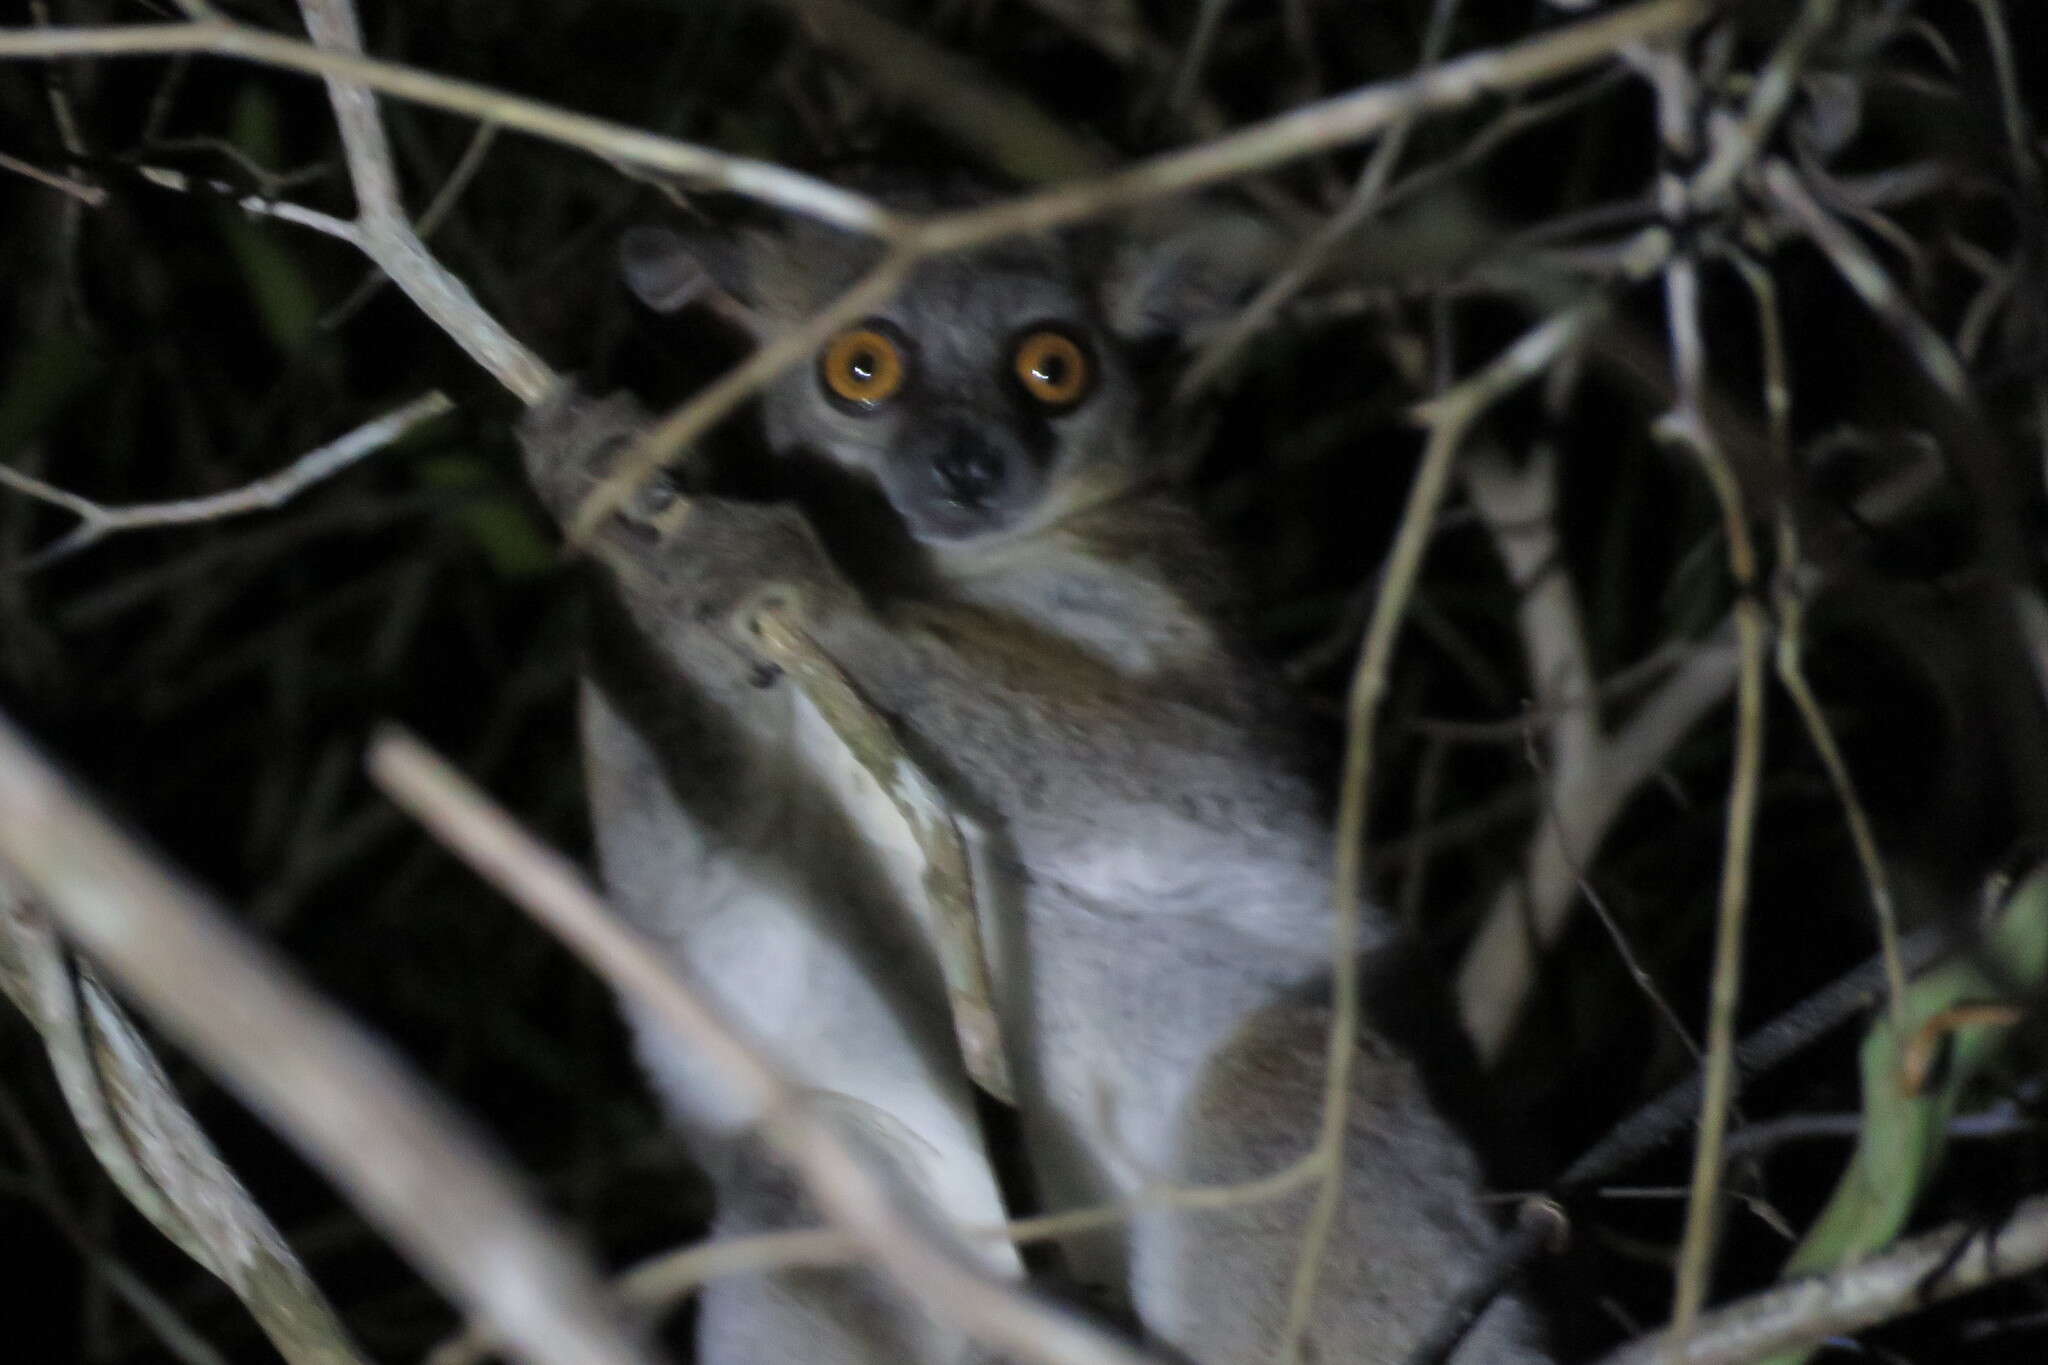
(801, 923)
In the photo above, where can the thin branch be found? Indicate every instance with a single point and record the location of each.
(1450, 417)
(40, 1184)
(59, 100)
(272, 184)
(1333, 122)
(1318, 127)
(261, 205)
(333, 25)
(1519, 509)
(1650, 668)
(1925, 1270)
(1638, 973)
(149, 1143)
(659, 1282)
(1187, 75)
(1114, 28)
(1718, 1093)
(1789, 597)
(662, 1280)
(1861, 269)
(549, 888)
(436, 213)
(667, 1278)
(92, 196)
(96, 522)
(1499, 956)
(1735, 145)
(1655, 1123)
(696, 415)
(1366, 199)
(1325, 124)
(756, 179)
(71, 212)
(2026, 166)
(949, 886)
(386, 235)
(1509, 124)
(1686, 423)
(1498, 971)
(2027, 173)
(416, 1170)
(2001, 1121)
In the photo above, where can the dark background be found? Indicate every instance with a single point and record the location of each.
(215, 683)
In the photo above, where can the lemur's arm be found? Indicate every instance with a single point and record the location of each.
(1088, 707)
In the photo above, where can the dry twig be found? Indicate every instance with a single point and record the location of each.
(1924, 1270)
(1450, 417)
(1328, 123)
(1686, 424)
(415, 1169)
(549, 888)
(96, 521)
(149, 1143)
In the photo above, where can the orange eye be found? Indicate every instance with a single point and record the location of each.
(1053, 367)
(862, 367)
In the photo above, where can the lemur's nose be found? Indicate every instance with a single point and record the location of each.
(969, 469)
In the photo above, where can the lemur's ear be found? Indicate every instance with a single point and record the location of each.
(1185, 266)
(669, 270)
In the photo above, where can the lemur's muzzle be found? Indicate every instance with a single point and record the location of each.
(961, 479)
(969, 471)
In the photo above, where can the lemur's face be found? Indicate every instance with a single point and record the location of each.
(978, 398)
(992, 394)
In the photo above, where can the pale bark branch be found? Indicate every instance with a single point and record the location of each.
(1924, 1270)
(386, 236)
(548, 887)
(708, 169)
(1333, 122)
(1498, 972)
(1519, 508)
(1317, 127)
(418, 1172)
(97, 521)
(952, 907)
(1449, 418)
(1687, 425)
(263, 205)
(148, 1142)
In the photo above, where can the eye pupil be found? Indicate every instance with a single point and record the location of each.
(1052, 367)
(863, 368)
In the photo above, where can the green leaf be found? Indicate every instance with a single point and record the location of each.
(285, 298)
(1905, 1131)
(511, 538)
(41, 383)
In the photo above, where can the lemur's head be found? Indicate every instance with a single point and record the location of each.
(998, 389)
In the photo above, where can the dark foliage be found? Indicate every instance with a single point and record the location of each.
(215, 683)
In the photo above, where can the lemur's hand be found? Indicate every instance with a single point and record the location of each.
(729, 560)
(571, 440)
(701, 563)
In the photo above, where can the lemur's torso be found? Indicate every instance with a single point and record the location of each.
(1152, 851)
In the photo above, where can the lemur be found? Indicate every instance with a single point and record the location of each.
(1059, 658)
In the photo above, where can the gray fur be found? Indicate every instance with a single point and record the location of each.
(1064, 672)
